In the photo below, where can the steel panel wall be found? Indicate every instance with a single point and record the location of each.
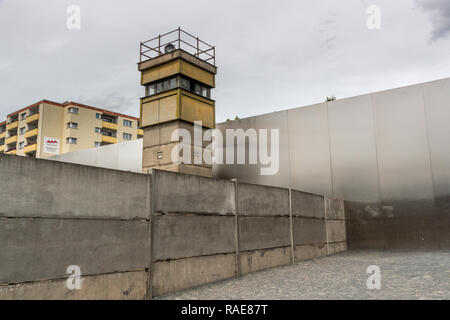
(353, 150)
(402, 149)
(251, 173)
(309, 149)
(386, 153)
(437, 103)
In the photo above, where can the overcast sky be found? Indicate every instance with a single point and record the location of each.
(271, 55)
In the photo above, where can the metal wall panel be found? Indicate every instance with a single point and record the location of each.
(353, 150)
(251, 173)
(402, 149)
(437, 107)
(390, 157)
(310, 149)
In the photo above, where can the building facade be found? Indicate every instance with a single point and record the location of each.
(2, 136)
(48, 128)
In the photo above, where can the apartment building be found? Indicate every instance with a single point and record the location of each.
(2, 136)
(47, 128)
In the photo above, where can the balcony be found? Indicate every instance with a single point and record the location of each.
(32, 118)
(109, 125)
(11, 139)
(12, 125)
(30, 148)
(31, 133)
(14, 151)
(3, 134)
(109, 139)
(2, 148)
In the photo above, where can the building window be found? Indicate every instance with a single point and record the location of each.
(170, 84)
(97, 144)
(109, 119)
(128, 123)
(202, 90)
(159, 155)
(159, 87)
(73, 110)
(98, 130)
(72, 125)
(13, 118)
(127, 136)
(23, 116)
(98, 115)
(21, 144)
(22, 130)
(185, 84)
(108, 133)
(178, 82)
(150, 90)
(71, 140)
(164, 85)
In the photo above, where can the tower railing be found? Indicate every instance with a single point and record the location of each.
(178, 39)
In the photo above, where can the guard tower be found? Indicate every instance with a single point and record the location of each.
(178, 72)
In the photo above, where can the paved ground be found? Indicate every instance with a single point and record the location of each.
(404, 275)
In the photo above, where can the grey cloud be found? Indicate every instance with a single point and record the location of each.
(327, 22)
(327, 27)
(112, 101)
(439, 11)
(329, 42)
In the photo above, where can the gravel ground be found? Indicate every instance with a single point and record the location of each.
(404, 275)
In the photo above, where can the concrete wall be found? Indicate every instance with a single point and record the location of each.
(136, 236)
(193, 223)
(47, 189)
(53, 215)
(206, 229)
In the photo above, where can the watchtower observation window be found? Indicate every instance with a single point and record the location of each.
(171, 83)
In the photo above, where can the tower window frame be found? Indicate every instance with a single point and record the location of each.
(175, 82)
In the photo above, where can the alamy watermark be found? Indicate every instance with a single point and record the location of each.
(237, 146)
(74, 19)
(374, 19)
(374, 280)
(74, 280)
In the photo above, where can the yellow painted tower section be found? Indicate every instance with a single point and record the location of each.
(178, 88)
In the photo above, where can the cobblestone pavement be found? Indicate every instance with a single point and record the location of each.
(404, 275)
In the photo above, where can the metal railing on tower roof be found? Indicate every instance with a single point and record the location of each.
(177, 39)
